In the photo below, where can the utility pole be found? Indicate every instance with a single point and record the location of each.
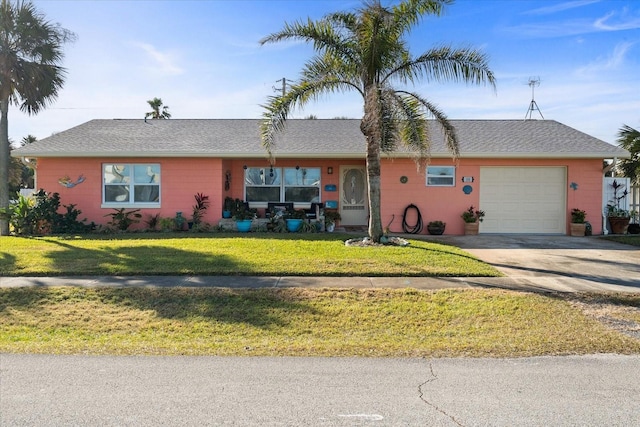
(284, 86)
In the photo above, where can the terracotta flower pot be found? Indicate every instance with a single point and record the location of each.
(619, 224)
(471, 228)
(578, 229)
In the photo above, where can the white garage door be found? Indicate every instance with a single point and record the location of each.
(523, 200)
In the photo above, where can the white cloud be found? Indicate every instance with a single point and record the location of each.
(561, 7)
(618, 20)
(163, 62)
(553, 28)
(625, 22)
(612, 62)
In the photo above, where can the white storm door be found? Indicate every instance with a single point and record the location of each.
(354, 205)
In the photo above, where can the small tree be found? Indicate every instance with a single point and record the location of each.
(159, 111)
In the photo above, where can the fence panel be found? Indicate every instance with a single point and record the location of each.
(634, 199)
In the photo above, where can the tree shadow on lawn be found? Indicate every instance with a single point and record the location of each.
(263, 308)
(258, 307)
(139, 260)
(7, 262)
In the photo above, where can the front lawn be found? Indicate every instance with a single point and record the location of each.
(253, 254)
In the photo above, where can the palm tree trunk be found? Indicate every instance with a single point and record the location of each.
(371, 127)
(4, 163)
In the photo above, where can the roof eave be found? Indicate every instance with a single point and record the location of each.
(184, 154)
(541, 155)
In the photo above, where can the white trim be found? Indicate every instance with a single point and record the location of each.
(452, 176)
(132, 186)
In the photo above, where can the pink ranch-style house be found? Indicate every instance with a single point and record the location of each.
(527, 175)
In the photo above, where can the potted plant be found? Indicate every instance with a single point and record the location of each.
(619, 217)
(578, 225)
(198, 210)
(179, 220)
(436, 227)
(330, 218)
(472, 218)
(294, 220)
(243, 218)
(227, 208)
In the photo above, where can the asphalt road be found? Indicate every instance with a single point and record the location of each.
(44, 390)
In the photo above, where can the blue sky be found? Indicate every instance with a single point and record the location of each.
(204, 60)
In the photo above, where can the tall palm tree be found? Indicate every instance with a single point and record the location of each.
(629, 139)
(30, 72)
(365, 51)
(159, 111)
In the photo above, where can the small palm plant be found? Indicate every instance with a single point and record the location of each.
(202, 204)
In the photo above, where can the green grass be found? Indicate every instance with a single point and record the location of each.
(628, 239)
(227, 254)
(300, 322)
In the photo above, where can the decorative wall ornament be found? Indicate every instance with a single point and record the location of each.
(574, 186)
(68, 183)
(227, 180)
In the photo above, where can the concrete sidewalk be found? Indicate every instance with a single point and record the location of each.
(532, 284)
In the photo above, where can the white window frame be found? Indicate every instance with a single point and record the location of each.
(431, 176)
(131, 186)
(283, 186)
(298, 170)
(263, 171)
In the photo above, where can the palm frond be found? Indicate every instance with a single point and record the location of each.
(629, 139)
(278, 108)
(408, 13)
(450, 136)
(445, 63)
(30, 74)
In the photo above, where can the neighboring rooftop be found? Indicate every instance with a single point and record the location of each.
(326, 138)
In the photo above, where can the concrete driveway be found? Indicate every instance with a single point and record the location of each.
(561, 263)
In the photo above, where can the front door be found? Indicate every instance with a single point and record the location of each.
(354, 205)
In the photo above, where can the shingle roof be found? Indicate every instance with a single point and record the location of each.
(336, 138)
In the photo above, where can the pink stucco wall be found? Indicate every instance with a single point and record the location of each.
(447, 203)
(182, 178)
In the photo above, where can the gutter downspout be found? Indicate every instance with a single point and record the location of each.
(604, 216)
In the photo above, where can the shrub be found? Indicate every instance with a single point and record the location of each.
(122, 219)
(39, 215)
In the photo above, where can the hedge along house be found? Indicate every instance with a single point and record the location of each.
(526, 174)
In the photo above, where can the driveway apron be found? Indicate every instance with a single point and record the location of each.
(560, 263)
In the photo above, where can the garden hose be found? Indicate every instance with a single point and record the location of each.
(415, 229)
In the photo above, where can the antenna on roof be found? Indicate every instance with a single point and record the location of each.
(533, 106)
